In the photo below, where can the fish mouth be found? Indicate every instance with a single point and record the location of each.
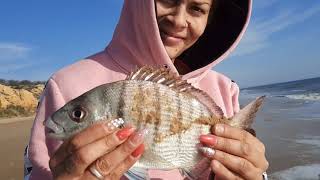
(54, 130)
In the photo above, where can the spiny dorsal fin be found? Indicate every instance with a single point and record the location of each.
(208, 101)
(244, 118)
(165, 77)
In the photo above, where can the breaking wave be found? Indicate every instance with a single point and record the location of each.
(307, 172)
(308, 97)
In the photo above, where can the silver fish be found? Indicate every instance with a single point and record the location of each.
(174, 112)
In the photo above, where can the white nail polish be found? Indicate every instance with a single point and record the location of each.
(209, 152)
(118, 122)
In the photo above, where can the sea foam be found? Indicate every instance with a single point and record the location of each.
(309, 97)
(307, 172)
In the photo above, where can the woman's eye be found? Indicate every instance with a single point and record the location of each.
(198, 10)
(169, 2)
(77, 114)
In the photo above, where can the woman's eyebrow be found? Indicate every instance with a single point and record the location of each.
(202, 3)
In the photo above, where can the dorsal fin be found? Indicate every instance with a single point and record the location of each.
(165, 77)
(208, 101)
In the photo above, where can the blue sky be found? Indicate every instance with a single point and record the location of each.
(39, 37)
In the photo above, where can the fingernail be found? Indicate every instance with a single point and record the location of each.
(208, 139)
(209, 152)
(219, 128)
(125, 133)
(139, 136)
(116, 123)
(138, 151)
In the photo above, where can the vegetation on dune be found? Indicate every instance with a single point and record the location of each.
(16, 84)
(19, 98)
(15, 111)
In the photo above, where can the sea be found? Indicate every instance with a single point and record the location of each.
(289, 126)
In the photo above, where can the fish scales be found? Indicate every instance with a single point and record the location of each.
(174, 112)
(166, 113)
(146, 101)
(161, 106)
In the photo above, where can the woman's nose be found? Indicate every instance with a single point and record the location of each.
(179, 18)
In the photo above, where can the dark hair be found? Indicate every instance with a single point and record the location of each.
(214, 6)
(225, 22)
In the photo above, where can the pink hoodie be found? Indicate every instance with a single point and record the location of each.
(137, 42)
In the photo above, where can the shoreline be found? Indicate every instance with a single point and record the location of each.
(16, 119)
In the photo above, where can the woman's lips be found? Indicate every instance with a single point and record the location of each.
(170, 39)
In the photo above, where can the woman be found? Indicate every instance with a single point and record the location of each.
(187, 36)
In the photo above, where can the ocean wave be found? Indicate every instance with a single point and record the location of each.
(310, 140)
(310, 172)
(308, 97)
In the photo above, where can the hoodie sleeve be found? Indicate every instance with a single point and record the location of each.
(40, 148)
(235, 90)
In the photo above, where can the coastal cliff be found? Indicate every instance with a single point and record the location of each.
(19, 100)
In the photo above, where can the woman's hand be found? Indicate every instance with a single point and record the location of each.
(237, 154)
(102, 146)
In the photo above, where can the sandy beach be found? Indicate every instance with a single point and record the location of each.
(13, 139)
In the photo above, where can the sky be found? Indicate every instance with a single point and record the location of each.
(38, 37)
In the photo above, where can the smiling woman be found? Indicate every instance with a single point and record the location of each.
(175, 34)
(181, 23)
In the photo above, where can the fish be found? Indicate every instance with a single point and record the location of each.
(174, 112)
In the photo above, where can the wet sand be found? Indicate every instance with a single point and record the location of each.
(290, 143)
(13, 139)
(290, 131)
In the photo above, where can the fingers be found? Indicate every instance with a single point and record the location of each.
(79, 160)
(88, 135)
(221, 172)
(127, 163)
(230, 132)
(241, 166)
(106, 164)
(237, 142)
(231, 146)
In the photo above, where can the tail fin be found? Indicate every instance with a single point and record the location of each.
(245, 117)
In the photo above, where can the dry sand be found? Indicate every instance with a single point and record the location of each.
(13, 139)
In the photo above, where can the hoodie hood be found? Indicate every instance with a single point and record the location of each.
(137, 42)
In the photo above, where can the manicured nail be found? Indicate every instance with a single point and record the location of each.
(219, 128)
(210, 140)
(209, 152)
(116, 123)
(125, 133)
(138, 151)
(139, 136)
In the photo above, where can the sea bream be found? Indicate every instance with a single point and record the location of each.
(173, 111)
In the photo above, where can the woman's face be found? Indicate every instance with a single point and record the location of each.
(181, 23)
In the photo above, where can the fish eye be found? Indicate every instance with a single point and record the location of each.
(78, 114)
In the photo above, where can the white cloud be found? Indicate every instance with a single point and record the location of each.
(14, 57)
(259, 31)
(9, 68)
(13, 51)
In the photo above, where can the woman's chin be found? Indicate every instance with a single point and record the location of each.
(173, 52)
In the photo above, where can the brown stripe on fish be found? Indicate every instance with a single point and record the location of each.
(121, 103)
(157, 134)
(137, 104)
(179, 120)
